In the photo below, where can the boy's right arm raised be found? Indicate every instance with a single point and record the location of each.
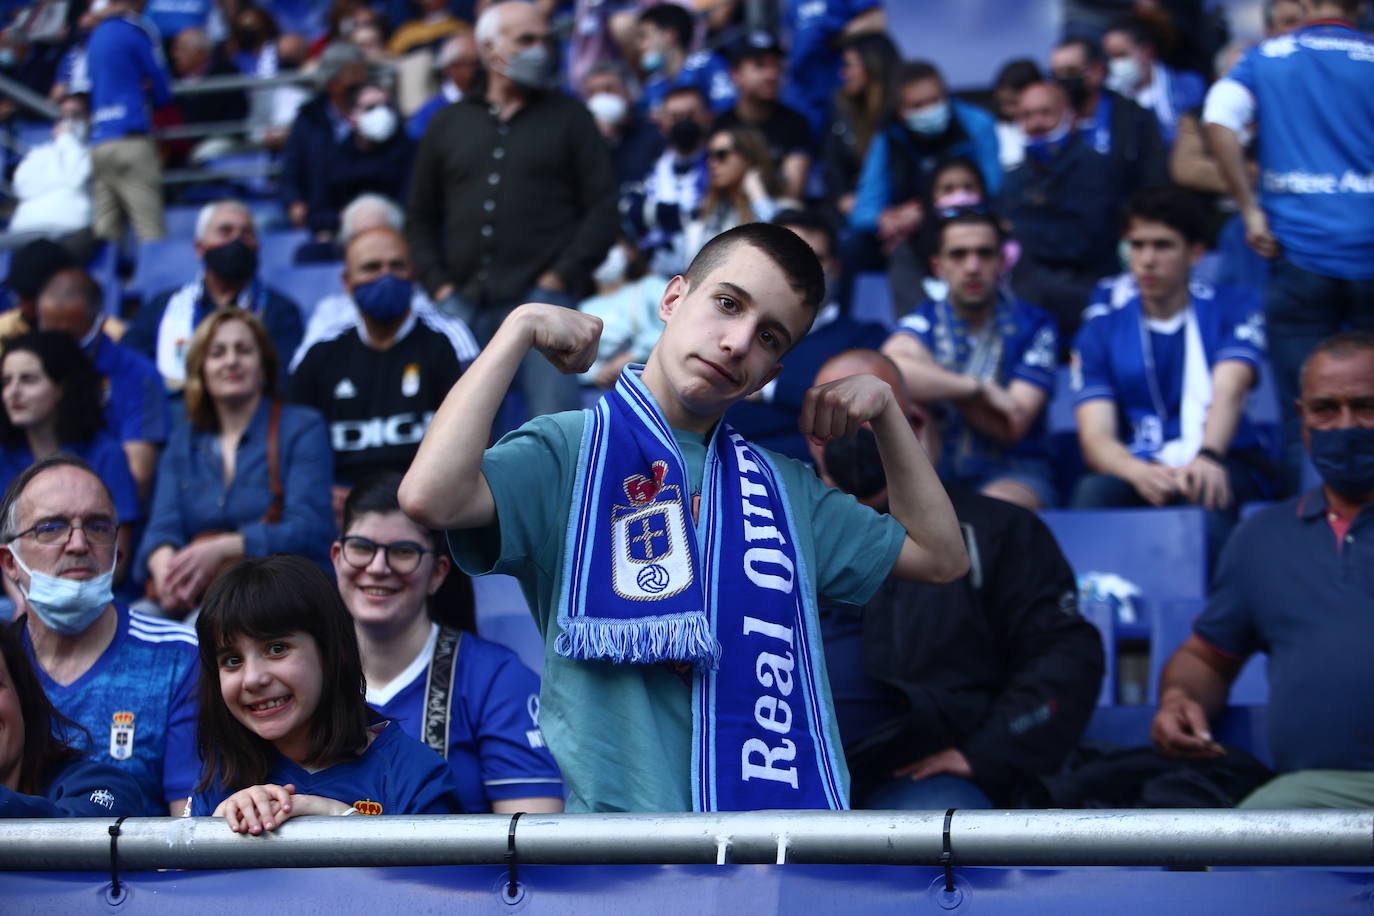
(444, 487)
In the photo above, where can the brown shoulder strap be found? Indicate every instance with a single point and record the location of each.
(274, 509)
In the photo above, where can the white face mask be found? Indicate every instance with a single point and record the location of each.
(67, 606)
(612, 270)
(377, 124)
(1123, 74)
(607, 107)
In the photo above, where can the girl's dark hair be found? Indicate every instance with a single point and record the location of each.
(80, 415)
(453, 604)
(44, 748)
(881, 60)
(263, 598)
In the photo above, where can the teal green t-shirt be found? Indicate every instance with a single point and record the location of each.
(622, 734)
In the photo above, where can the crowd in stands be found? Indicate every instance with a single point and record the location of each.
(507, 211)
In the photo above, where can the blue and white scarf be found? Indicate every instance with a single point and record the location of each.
(727, 594)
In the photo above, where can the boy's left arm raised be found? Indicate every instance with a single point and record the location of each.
(444, 487)
(934, 549)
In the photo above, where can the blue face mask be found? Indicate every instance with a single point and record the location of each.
(930, 121)
(651, 61)
(385, 299)
(66, 606)
(1345, 460)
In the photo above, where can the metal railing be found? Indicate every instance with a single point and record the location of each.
(1188, 837)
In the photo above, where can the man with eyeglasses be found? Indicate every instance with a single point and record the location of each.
(128, 680)
(991, 357)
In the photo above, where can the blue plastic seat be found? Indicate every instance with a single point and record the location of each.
(276, 249)
(162, 265)
(1160, 550)
(307, 284)
(1102, 615)
(872, 299)
(1171, 623)
(504, 617)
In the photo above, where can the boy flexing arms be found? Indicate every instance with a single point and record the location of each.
(672, 568)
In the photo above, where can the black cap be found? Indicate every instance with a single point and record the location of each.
(755, 43)
(33, 265)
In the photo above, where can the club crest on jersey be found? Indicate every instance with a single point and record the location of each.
(368, 806)
(649, 539)
(122, 735)
(410, 380)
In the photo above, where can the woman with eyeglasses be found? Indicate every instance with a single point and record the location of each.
(52, 397)
(471, 700)
(742, 186)
(244, 474)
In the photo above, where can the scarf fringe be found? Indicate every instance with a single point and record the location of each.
(641, 641)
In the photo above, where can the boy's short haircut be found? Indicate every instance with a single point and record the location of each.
(671, 18)
(783, 247)
(1174, 207)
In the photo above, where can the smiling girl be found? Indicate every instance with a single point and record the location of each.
(284, 727)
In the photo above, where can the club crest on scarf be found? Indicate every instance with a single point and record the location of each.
(649, 539)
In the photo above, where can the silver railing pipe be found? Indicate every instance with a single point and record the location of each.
(1329, 838)
(28, 98)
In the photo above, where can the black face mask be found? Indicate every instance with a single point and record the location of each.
(1076, 89)
(247, 37)
(235, 262)
(685, 135)
(854, 464)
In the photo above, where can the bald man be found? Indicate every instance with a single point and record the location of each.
(379, 380)
(135, 404)
(958, 695)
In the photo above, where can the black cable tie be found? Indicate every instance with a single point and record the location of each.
(512, 884)
(947, 854)
(115, 889)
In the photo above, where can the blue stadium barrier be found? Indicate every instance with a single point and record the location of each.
(1171, 623)
(872, 299)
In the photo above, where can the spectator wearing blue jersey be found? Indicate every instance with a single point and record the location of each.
(127, 72)
(127, 679)
(989, 355)
(1135, 72)
(664, 40)
(818, 28)
(284, 728)
(469, 699)
(227, 246)
(1160, 376)
(1308, 94)
(927, 127)
(41, 774)
(51, 395)
(135, 405)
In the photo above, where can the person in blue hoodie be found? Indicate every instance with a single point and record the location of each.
(127, 71)
(41, 775)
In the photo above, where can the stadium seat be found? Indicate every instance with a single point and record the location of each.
(1171, 622)
(163, 264)
(180, 221)
(1129, 726)
(503, 617)
(277, 248)
(104, 269)
(872, 299)
(308, 284)
(1102, 615)
(1160, 550)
